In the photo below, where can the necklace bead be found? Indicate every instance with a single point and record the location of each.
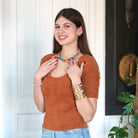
(66, 59)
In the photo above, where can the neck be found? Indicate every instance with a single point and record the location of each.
(68, 52)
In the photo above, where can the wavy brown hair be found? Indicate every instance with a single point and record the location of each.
(75, 17)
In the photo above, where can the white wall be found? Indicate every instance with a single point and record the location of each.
(1, 82)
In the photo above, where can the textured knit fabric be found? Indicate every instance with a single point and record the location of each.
(61, 112)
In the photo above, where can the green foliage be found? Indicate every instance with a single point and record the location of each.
(131, 133)
(135, 122)
(126, 97)
(122, 132)
(132, 83)
(129, 99)
(118, 132)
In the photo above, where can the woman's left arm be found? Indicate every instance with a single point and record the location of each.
(86, 107)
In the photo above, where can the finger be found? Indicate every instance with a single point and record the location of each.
(54, 66)
(72, 62)
(51, 61)
(55, 56)
(75, 61)
(54, 63)
(45, 65)
(51, 68)
(51, 65)
(68, 65)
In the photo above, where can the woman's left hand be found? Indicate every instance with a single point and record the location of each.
(74, 71)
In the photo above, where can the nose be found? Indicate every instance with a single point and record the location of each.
(61, 30)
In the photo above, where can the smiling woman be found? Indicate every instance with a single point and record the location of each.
(66, 84)
(66, 32)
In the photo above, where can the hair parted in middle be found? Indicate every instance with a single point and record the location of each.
(75, 17)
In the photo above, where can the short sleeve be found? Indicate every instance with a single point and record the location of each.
(91, 77)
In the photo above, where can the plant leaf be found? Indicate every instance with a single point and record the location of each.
(132, 83)
(124, 98)
(122, 133)
(135, 122)
(114, 129)
(125, 128)
(121, 118)
(111, 135)
(128, 109)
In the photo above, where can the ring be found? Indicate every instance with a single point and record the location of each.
(49, 62)
(71, 63)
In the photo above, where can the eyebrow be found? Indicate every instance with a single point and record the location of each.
(64, 23)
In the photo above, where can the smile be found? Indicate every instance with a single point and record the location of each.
(62, 37)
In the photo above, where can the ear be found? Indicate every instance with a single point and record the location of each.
(80, 31)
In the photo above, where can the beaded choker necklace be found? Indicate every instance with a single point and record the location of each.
(66, 59)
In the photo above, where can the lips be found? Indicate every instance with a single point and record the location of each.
(62, 37)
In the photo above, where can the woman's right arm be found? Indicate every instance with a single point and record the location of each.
(39, 99)
(42, 71)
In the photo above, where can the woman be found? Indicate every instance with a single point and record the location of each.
(66, 83)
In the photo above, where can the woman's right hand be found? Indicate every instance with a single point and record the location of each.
(44, 69)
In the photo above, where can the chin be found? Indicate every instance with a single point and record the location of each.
(62, 43)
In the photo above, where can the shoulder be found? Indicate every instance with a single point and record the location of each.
(89, 60)
(90, 76)
(90, 66)
(47, 57)
(87, 57)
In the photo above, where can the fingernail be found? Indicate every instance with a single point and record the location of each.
(81, 66)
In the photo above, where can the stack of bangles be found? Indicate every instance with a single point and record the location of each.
(79, 92)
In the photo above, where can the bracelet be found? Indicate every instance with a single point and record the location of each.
(78, 92)
(77, 88)
(38, 84)
(80, 96)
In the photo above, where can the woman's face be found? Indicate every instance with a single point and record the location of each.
(66, 32)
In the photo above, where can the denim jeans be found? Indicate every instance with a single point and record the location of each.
(74, 133)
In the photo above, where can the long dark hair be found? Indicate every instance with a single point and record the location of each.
(75, 17)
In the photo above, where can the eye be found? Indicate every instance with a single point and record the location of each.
(57, 26)
(67, 26)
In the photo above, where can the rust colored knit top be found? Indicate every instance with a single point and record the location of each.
(61, 112)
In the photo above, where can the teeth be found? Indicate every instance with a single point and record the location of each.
(62, 37)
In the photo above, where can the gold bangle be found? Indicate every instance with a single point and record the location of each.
(80, 96)
(77, 88)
